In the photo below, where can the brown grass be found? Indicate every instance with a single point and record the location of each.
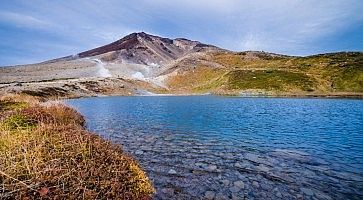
(45, 152)
(21, 98)
(194, 80)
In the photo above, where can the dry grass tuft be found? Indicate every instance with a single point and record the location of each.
(45, 152)
(22, 98)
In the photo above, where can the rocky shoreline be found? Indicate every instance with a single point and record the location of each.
(91, 87)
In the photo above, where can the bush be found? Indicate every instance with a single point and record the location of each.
(45, 152)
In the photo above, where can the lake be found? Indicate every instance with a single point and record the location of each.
(213, 147)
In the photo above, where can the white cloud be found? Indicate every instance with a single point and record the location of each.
(282, 26)
(23, 20)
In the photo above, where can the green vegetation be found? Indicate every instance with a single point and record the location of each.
(269, 79)
(326, 74)
(45, 152)
(339, 72)
(9, 105)
(198, 80)
(350, 79)
(18, 121)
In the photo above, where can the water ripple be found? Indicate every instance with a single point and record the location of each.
(262, 148)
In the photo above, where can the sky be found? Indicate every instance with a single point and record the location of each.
(39, 30)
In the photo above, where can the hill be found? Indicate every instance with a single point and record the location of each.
(272, 74)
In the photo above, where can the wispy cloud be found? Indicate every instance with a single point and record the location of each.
(296, 27)
(23, 20)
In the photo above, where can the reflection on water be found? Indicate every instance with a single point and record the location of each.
(233, 148)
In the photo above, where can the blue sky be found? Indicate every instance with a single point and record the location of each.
(38, 30)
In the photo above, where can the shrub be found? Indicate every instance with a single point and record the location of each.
(45, 153)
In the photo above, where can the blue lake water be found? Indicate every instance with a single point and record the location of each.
(196, 147)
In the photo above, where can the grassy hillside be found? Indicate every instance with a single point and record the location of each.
(277, 74)
(45, 153)
(269, 80)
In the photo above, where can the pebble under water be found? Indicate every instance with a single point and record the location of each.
(207, 147)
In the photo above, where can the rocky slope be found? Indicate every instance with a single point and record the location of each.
(145, 64)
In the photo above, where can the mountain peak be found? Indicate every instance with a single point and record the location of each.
(143, 34)
(127, 42)
(137, 34)
(143, 48)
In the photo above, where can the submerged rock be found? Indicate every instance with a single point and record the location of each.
(225, 182)
(253, 157)
(239, 165)
(209, 195)
(292, 154)
(221, 196)
(168, 191)
(239, 184)
(263, 168)
(307, 191)
(212, 167)
(139, 152)
(255, 184)
(234, 189)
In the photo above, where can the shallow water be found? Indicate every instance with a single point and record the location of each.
(238, 148)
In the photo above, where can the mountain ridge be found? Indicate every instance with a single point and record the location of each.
(137, 46)
(140, 63)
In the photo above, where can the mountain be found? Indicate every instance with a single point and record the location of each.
(141, 63)
(141, 48)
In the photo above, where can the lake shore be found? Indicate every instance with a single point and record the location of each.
(56, 93)
(46, 152)
(93, 87)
